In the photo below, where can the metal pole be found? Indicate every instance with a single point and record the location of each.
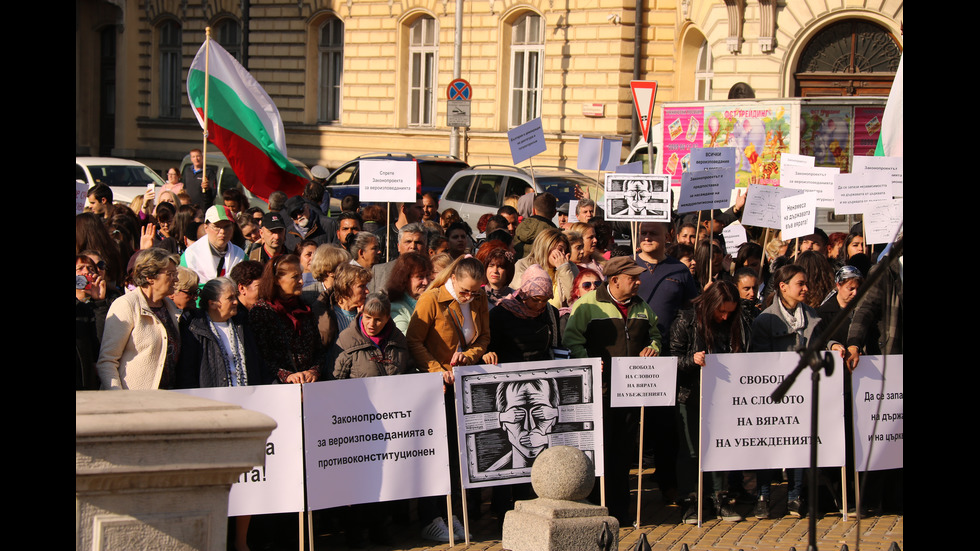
(457, 70)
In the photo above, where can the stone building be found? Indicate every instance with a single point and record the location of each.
(356, 76)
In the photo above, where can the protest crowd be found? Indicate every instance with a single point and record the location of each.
(191, 290)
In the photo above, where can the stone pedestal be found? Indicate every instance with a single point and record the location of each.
(559, 520)
(153, 468)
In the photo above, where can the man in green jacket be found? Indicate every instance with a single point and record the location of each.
(609, 323)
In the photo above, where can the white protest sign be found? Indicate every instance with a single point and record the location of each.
(881, 221)
(762, 205)
(797, 215)
(636, 167)
(277, 486)
(792, 159)
(508, 414)
(644, 197)
(741, 427)
(526, 141)
(375, 439)
(894, 167)
(81, 196)
(734, 235)
(884, 442)
(639, 382)
(855, 193)
(384, 181)
(706, 189)
(598, 153)
(819, 180)
(707, 158)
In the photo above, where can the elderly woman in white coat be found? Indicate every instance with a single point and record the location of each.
(141, 340)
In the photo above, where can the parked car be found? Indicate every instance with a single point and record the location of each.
(227, 178)
(126, 178)
(434, 172)
(482, 188)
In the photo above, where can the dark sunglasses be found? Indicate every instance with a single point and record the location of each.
(589, 284)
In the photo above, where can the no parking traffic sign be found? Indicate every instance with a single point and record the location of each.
(459, 89)
(459, 94)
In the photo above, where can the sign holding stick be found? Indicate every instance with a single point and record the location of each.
(798, 215)
(526, 141)
(819, 180)
(276, 486)
(508, 414)
(375, 439)
(884, 441)
(855, 193)
(743, 429)
(385, 181)
(637, 197)
(762, 205)
(706, 189)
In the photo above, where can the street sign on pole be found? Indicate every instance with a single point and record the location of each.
(459, 93)
(644, 94)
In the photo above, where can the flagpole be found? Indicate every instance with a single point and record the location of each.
(207, 82)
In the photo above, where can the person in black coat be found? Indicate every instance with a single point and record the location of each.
(217, 348)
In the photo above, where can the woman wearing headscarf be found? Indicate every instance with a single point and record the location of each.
(524, 327)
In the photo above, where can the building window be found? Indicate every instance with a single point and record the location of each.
(423, 49)
(171, 70)
(331, 62)
(229, 34)
(704, 73)
(527, 54)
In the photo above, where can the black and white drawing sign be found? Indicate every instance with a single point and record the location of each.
(508, 414)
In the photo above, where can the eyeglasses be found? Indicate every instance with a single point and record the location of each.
(189, 292)
(466, 293)
(538, 299)
(589, 284)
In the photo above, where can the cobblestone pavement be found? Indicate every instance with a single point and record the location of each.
(664, 531)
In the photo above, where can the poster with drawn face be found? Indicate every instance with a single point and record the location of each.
(508, 414)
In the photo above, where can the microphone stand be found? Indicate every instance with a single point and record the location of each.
(810, 357)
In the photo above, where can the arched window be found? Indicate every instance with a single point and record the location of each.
(330, 46)
(704, 73)
(228, 33)
(849, 58)
(527, 72)
(168, 35)
(423, 52)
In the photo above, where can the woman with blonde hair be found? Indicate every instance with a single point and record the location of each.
(450, 327)
(551, 251)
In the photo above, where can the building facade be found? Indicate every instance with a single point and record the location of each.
(357, 76)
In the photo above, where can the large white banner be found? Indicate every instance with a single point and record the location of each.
(639, 382)
(885, 442)
(508, 414)
(375, 439)
(277, 486)
(741, 427)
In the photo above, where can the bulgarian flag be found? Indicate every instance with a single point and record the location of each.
(242, 121)
(891, 140)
